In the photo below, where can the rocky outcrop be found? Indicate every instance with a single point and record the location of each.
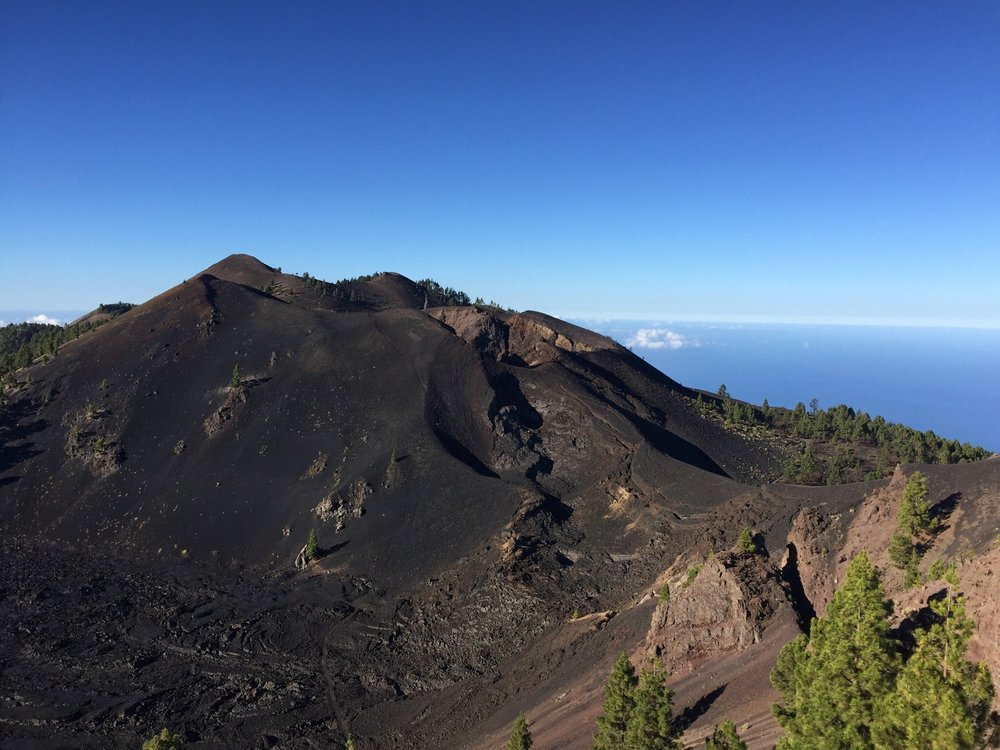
(719, 606)
(527, 339)
(317, 467)
(88, 440)
(339, 507)
(236, 398)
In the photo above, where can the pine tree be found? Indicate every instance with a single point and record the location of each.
(787, 676)
(664, 595)
(914, 521)
(619, 699)
(651, 725)
(807, 467)
(832, 686)
(725, 737)
(941, 701)
(746, 542)
(904, 555)
(914, 512)
(234, 380)
(312, 545)
(520, 736)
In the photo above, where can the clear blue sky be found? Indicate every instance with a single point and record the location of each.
(793, 160)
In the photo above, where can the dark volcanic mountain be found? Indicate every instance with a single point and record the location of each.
(495, 495)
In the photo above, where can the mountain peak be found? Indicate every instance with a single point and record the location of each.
(237, 266)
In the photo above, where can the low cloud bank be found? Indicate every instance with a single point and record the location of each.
(42, 318)
(20, 317)
(659, 338)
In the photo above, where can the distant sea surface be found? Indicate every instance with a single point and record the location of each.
(941, 379)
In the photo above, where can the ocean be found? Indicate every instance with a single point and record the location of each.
(941, 379)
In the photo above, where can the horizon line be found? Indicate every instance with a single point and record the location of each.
(802, 320)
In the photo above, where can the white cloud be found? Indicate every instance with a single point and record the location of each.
(659, 338)
(42, 318)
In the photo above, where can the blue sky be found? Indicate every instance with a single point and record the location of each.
(742, 161)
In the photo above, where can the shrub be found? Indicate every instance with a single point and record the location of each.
(391, 471)
(165, 740)
(692, 574)
(520, 736)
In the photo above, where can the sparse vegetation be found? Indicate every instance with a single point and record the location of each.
(492, 305)
(115, 309)
(350, 290)
(840, 444)
(23, 343)
(441, 296)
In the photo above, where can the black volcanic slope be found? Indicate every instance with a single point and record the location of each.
(473, 475)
